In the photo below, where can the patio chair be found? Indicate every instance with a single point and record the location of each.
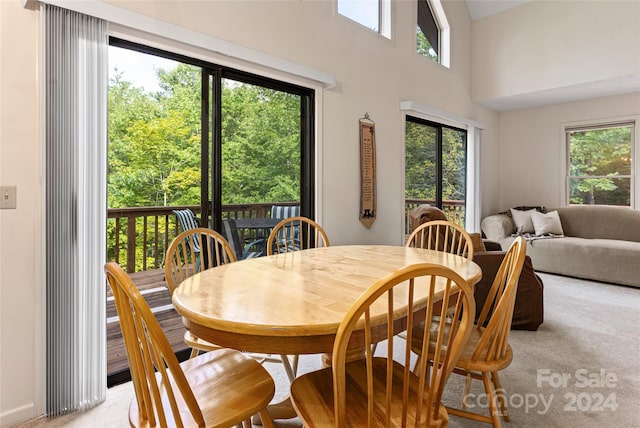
(250, 250)
(186, 219)
(285, 211)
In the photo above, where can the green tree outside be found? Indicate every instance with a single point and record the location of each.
(600, 166)
(154, 147)
(420, 163)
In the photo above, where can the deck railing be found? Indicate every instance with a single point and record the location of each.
(139, 236)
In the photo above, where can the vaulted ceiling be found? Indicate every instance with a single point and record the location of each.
(582, 91)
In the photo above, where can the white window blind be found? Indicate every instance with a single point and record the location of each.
(75, 106)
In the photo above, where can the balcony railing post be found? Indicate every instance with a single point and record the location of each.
(131, 243)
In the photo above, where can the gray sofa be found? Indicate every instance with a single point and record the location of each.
(600, 243)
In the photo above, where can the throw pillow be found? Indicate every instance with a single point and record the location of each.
(522, 220)
(547, 224)
(477, 242)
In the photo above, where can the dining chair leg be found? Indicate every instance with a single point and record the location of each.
(295, 365)
(491, 398)
(291, 374)
(467, 389)
(194, 353)
(265, 417)
(501, 397)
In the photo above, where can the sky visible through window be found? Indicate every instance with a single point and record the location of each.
(365, 12)
(138, 68)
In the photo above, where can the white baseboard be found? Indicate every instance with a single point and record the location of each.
(18, 415)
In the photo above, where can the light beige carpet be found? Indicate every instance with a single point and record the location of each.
(580, 369)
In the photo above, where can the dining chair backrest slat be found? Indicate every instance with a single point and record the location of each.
(442, 235)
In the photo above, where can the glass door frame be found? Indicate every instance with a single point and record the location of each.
(439, 127)
(211, 114)
(212, 138)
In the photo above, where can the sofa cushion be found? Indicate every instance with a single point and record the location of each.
(600, 222)
(605, 260)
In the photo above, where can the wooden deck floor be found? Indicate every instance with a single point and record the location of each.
(153, 287)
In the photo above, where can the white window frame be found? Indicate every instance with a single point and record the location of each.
(602, 123)
(384, 18)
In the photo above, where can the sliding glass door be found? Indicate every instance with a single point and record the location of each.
(261, 145)
(436, 167)
(192, 134)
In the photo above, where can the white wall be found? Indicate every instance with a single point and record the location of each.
(374, 74)
(554, 44)
(20, 231)
(531, 153)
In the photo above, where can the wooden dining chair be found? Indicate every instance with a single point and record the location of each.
(181, 263)
(442, 235)
(488, 350)
(382, 390)
(296, 233)
(221, 388)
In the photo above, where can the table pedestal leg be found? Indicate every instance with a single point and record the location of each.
(281, 410)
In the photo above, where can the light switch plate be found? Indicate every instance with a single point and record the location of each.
(8, 197)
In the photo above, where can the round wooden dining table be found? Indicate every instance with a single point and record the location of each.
(293, 303)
